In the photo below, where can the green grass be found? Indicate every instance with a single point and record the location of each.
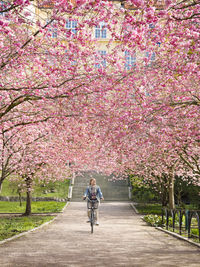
(149, 209)
(57, 189)
(145, 209)
(11, 226)
(191, 207)
(37, 207)
(60, 188)
(194, 233)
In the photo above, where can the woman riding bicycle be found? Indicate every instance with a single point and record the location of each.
(93, 192)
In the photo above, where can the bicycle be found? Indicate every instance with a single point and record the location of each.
(94, 205)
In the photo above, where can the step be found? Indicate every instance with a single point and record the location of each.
(112, 190)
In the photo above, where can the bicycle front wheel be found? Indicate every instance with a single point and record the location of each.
(92, 221)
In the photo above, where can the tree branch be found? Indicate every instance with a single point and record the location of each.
(25, 44)
(196, 15)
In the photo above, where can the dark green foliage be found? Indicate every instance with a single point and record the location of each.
(145, 191)
(141, 191)
(186, 192)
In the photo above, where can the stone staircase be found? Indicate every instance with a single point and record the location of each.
(112, 190)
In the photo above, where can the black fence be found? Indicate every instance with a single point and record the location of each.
(183, 222)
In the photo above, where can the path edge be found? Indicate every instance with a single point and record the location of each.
(178, 236)
(134, 208)
(34, 229)
(166, 231)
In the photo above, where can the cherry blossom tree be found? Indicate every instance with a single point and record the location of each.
(142, 118)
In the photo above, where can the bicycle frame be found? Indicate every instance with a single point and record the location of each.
(92, 208)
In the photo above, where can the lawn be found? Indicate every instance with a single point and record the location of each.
(145, 209)
(57, 189)
(37, 207)
(11, 226)
(149, 209)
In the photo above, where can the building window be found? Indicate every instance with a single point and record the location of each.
(130, 60)
(52, 29)
(151, 26)
(101, 31)
(71, 26)
(100, 61)
(151, 57)
(70, 59)
(54, 33)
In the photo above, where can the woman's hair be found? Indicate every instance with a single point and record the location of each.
(92, 179)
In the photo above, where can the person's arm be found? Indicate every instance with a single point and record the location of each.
(86, 193)
(100, 193)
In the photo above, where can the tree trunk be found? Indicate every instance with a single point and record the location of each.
(28, 203)
(1, 186)
(171, 192)
(28, 196)
(164, 196)
(164, 201)
(20, 198)
(179, 202)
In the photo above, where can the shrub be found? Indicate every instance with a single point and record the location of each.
(195, 232)
(153, 220)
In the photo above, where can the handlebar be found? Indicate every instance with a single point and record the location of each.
(92, 200)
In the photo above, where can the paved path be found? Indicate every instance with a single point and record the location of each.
(122, 239)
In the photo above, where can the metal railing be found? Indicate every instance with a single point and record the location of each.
(183, 222)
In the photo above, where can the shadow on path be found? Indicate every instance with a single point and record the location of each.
(122, 239)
